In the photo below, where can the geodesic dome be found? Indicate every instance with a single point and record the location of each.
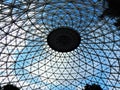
(58, 45)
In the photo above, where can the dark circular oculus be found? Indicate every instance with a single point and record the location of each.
(63, 39)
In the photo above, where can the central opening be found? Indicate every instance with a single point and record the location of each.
(63, 39)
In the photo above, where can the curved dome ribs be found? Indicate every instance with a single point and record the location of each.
(60, 44)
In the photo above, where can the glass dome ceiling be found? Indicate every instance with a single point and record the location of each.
(29, 62)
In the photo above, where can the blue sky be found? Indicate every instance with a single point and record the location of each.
(28, 57)
(25, 59)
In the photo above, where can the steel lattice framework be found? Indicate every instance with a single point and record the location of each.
(27, 60)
